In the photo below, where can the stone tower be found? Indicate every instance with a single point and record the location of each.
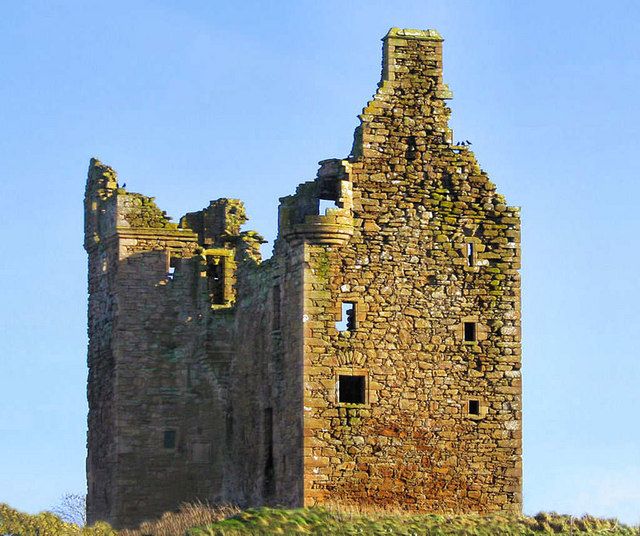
(374, 358)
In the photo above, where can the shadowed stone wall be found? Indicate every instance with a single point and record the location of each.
(216, 376)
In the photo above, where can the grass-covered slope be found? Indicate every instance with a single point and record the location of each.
(202, 520)
(320, 521)
(14, 523)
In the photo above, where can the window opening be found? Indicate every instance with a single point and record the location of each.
(171, 270)
(215, 279)
(411, 148)
(471, 253)
(276, 307)
(351, 389)
(470, 332)
(474, 407)
(169, 439)
(325, 204)
(348, 317)
(269, 482)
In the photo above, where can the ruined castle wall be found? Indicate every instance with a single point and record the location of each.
(440, 427)
(158, 355)
(195, 381)
(102, 269)
(157, 394)
(286, 367)
(101, 363)
(266, 385)
(214, 376)
(249, 389)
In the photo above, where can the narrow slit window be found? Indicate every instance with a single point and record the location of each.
(215, 280)
(470, 332)
(470, 253)
(411, 148)
(348, 317)
(276, 307)
(351, 389)
(269, 472)
(169, 439)
(171, 270)
(474, 407)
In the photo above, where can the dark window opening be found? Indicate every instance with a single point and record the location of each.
(215, 280)
(351, 389)
(478, 365)
(470, 253)
(470, 332)
(474, 407)
(269, 472)
(348, 317)
(169, 439)
(171, 269)
(276, 307)
(447, 182)
(411, 148)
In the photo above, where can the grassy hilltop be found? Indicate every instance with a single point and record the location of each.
(201, 520)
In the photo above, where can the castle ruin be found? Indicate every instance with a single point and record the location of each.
(374, 358)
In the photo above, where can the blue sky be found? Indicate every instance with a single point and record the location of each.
(195, 100)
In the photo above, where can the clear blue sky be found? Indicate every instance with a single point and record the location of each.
(199, 99)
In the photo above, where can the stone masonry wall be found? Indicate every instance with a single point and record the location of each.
(418, 201)
(215, 376)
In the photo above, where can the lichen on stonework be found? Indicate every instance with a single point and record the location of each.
(144, 213)
(323, 265)
(104, 178)
(252, 240)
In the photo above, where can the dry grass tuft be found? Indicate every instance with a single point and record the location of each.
(177, 523)
(352, 510)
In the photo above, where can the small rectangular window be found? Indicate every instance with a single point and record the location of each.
(324, 205)
(172, 262)
(215, 279)
(474, 407)
(348, 317)
(276, 308)
(351, 389)
(169, 439)
(470, 254)
(470, 332)
(411, 148)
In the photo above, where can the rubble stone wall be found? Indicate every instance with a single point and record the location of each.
(215, 376)
(418, 201)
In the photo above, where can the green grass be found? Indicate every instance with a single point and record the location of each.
(267, 521)
(228, 521)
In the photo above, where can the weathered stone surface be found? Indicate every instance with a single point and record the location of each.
(215, 376)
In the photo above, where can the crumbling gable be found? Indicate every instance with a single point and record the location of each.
(373, 359)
